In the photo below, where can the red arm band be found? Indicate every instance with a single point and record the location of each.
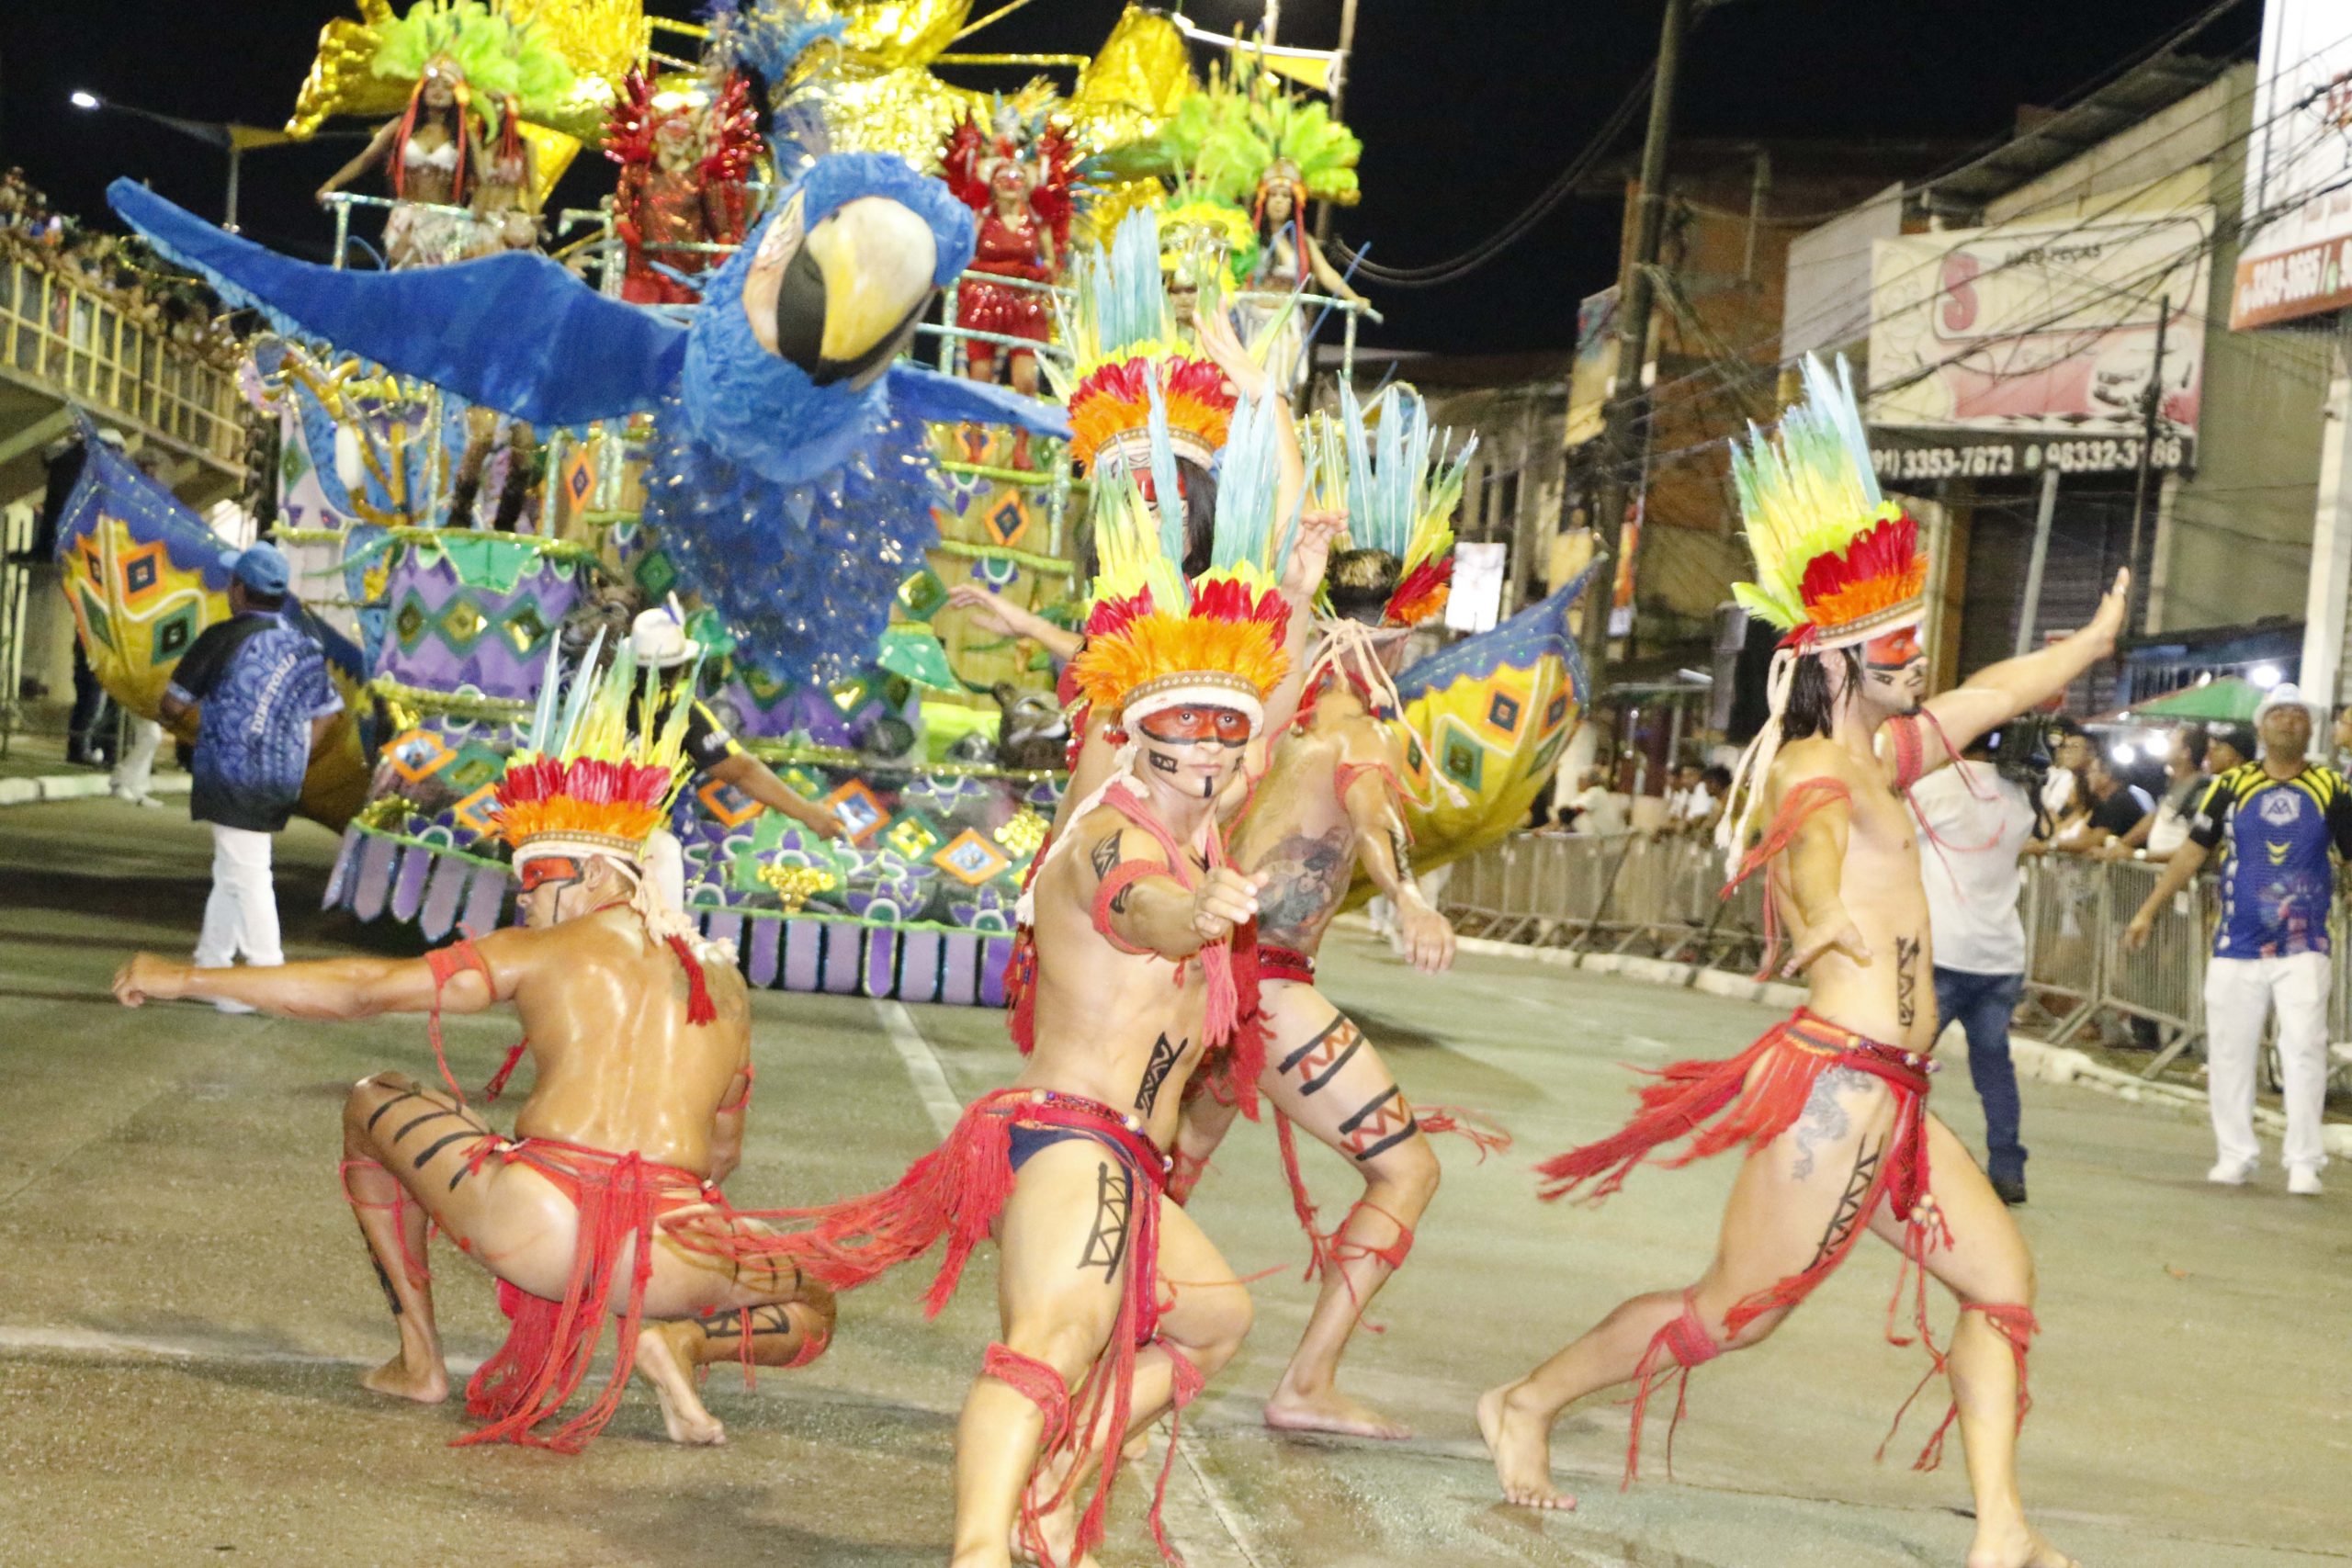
(1116, 881)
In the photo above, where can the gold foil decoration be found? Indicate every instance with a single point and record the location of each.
(794, 885)
(1022, 833)
(602, 38)
(551, 154)
(340, 80)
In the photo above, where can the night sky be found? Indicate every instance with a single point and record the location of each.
(1467, 108)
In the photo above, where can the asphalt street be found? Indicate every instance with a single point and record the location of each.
(185, 1306)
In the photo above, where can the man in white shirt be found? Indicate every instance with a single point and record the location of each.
(1976, 822)
(1599, 808)
(1689, 804)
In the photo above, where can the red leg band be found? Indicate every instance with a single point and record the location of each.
(1034, 1381)
(1687, 1342)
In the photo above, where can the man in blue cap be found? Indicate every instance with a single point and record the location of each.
(255, 688)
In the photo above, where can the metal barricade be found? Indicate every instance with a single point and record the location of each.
(2064, 937)
(2165, 980)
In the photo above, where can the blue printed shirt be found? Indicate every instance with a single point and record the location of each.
(2277, 883)
(257, 681)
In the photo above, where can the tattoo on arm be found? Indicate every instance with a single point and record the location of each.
(1398, 847)
(1106, 1244)
(1851, 1205)
(1106, 860)
(1824, 1120)
(1907, 979)
(1165, 1054)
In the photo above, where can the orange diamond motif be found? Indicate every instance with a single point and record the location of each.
(731, 805)
(970, 858)
(477, 812)
(417, 755)
(860, 809)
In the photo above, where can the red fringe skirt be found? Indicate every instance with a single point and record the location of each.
(1746, 1103)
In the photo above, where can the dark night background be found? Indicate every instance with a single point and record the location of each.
(1466, 109)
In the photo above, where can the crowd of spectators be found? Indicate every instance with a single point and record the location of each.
(118, 268)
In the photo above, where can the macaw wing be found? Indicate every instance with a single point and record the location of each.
(922, 394)
(514, 333)
(1485, 723)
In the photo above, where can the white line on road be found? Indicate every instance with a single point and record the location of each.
(940, 1103)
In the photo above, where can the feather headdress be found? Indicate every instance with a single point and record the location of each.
(1837, 563)
(586, 780)
(1127, 353)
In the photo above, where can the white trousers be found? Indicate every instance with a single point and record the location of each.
(2239, 993)
(135, 775)
(241, 916)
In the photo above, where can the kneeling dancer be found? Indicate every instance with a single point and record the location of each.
(1831, 1105)
(1115, 1307)
(640, 1035)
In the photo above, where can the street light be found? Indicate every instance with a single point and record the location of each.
(228, 137)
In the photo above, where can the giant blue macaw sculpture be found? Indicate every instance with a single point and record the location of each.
(791, 476)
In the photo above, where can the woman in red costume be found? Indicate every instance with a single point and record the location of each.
(1018, 180)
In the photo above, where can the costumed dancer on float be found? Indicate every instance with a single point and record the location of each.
(1830, 1107)
(432, 154)
(605, 1203)
(1017, 177)
(1115, 1306)
(685, 168)
(1332, 800)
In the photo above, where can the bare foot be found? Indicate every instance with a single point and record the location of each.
(682, 1407)
(1521, 1447)
(2014, 1546)
(1329, 1411)
(398, 1379)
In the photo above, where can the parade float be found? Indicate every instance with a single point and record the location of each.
(460, 504)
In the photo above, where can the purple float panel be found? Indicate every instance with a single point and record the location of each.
(919, 966)
(995, 955)
(375, 879)
(840, 958)
(804, 954)
(959, 979)
(881, 962)
(344, 857)
(443, 892)
(767, 940)
(408, 887)
(720, 926)
(485, 901)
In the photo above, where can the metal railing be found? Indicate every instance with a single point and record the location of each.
(84, 346)
(1662, 899)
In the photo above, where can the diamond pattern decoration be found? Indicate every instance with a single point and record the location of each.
(913, 835)
(525, 627)
(655, 575)
(970, 858)
(1502, 712)
(729, 805)
(462, 624)
(1008, 520)
(477, 813)
(861, 811)
(476, 765)
(93, 619)
(417, 755)
(1556, 712)
(409, 621)
(173, 632)
(1461, 757)
(142, 573)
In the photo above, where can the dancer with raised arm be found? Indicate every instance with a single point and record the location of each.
(1830, 1106)
(640, 1034)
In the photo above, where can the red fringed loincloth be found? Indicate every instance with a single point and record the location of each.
(1747, 1100)
(1287, 964)
(621, 1199)
(956, 1192)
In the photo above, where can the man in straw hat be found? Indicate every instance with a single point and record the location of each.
(641, 1038)
(1830, 1106)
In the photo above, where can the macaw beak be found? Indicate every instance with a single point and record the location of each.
(844, 301)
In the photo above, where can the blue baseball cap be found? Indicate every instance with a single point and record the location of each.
(262, 567)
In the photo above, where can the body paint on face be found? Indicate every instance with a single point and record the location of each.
(1195, 745)
(1895, 668)
(551, 875)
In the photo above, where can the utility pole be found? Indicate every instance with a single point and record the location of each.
(2152, 405)
(1347, 55)
(1623, 441)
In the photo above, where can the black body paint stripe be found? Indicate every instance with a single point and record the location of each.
(444, 1142)
(421, 1121)
(1360, 1117)
(378, 1116)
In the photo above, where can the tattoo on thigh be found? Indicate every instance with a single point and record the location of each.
(408, 1127)
(1164, 1057)
(1106, 1244)
(1907, 979)
(1824, 1120)
(1383, 1122)
(1849, 1207)
(770, 1319)
(439, 1143)
(1319, 1060)
(405, 1095)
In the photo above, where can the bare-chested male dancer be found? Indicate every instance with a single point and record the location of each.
(642, 1052)
(1831, 1105)
(1115, 1306)
(1333, 800)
